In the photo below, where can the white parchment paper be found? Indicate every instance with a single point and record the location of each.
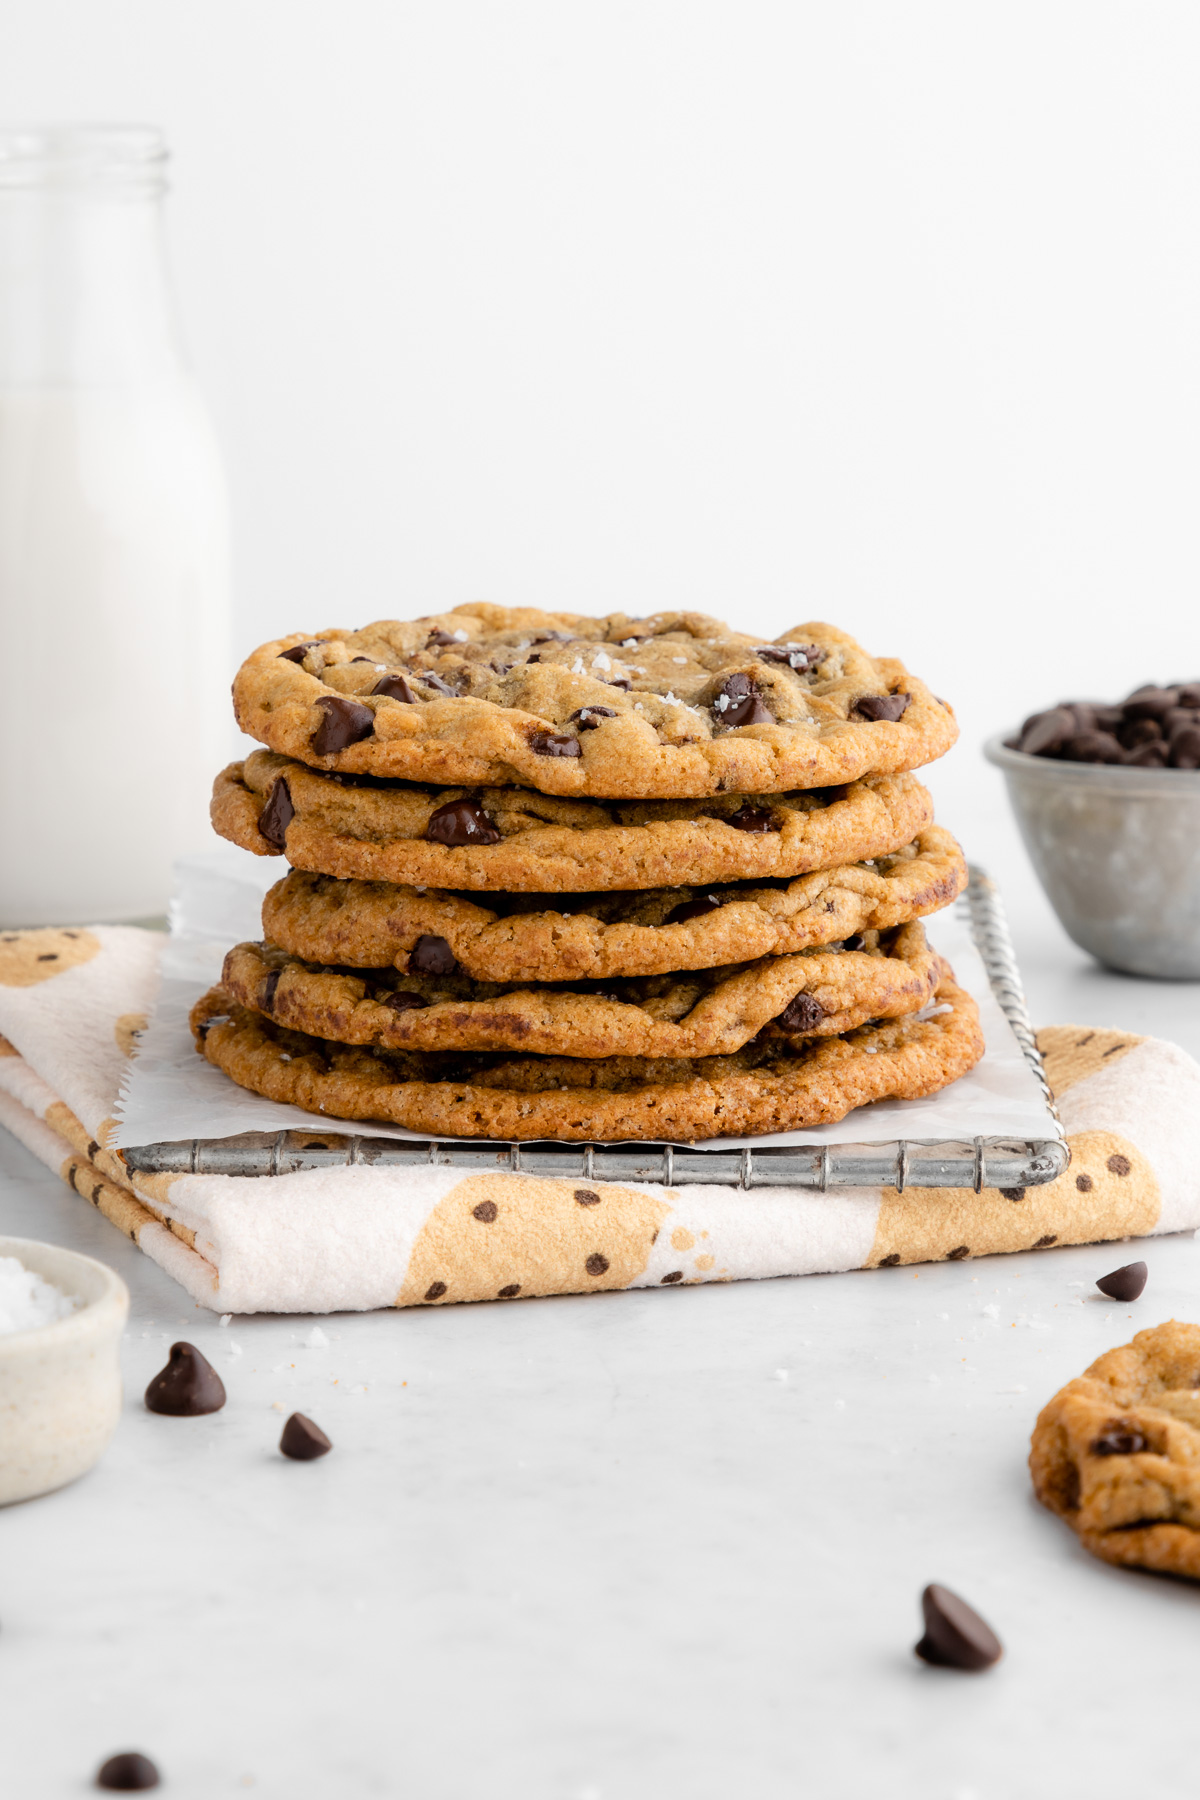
(172, 1093)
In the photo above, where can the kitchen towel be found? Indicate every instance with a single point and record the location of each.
(72, 1003)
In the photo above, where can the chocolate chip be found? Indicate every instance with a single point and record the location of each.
(738, 703)
(401, 1001)
(298, 652)
(266, 994)
(486, 1212)
(128, 1772)
(883, 706)
(510, 1292)
(586, 1197)
(1125, 1283)
(596, 1264)
(187, 1387)
(1093, 747)
(436, 1291)
(1119, 1439)
(439, 638)
(1189, 693)
(795, 656)
(588, 717)
(553, 743)
(802, 1013)
(675, 1275)
(752, 818)
(365, 659)
(1150, 756)
(277, 815)
(1151, 702)
(431, 956)
(620, 681)
(955, 1635)
(394, 687)
(1185, 748)
(1047, 731)
(461, 822)
(1084, 1183)
(346, 722)
(302, 1440)
(1138, 731)
(439, 686)
(1120, 1165)
(692, 909)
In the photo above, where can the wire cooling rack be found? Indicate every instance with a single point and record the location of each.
(1011, 1164)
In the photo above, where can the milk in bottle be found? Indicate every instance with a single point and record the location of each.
(114, 588)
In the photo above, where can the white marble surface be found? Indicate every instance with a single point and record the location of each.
(621, 1547)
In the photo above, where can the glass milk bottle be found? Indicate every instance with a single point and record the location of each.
(114, 583)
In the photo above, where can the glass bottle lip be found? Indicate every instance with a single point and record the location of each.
(128, 159)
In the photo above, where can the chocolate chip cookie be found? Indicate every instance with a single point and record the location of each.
(1117, 1452)
(666, 707)
(816, 993)
(770, 1085)
(513, 840)
(539, 937)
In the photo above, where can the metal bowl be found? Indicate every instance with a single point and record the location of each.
(1118, 853)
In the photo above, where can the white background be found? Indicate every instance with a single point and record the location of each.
(880, 313)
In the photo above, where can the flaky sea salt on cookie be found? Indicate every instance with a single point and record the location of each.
(670, 706)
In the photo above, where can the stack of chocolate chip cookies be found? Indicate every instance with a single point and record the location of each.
(588, 879)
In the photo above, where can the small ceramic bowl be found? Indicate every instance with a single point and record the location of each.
(60, 1384)
(1117, 850)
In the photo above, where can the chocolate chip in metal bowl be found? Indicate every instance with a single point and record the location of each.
(1107, 798)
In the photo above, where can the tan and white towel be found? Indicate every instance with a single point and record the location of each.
(349, 1239)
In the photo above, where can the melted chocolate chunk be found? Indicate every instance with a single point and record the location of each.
(752, 818)
(431, 955)
(619, 681)
(438, 639)
(692, 909)
(400, 1000)
(346, 722)
(795, 656)
(1125, 1283)
(298, 652)
(187, 1387)
(588, 717)
(439, 686)
(553, 743)
(461, 822)
(738, 703)
(394, 687)
(1119, 1439)
(302, 1440)
(277, 814)
(266, 997)
(802, 1013)
(882, 706)
(955, 1635)
(129, 1772)
(855, 943)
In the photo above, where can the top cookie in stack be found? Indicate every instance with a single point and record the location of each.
(745, 854)
(669, 707)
